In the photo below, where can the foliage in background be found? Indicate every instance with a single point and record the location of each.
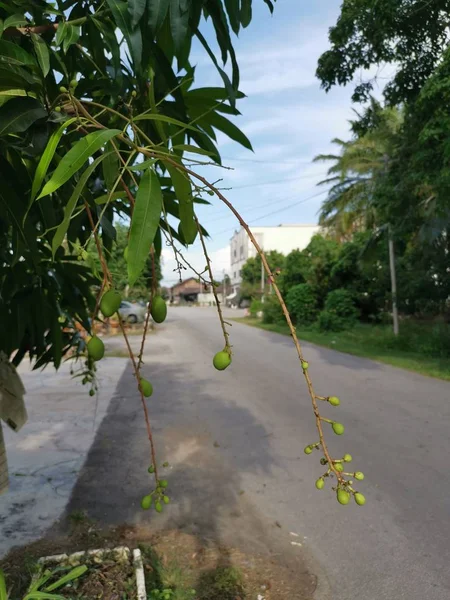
(302, 301)
(339, 312)
(411, 35)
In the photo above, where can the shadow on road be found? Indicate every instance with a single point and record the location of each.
(205, 489)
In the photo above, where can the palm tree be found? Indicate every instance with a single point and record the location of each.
(357, 171)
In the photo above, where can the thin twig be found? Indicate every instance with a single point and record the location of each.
(226, 335)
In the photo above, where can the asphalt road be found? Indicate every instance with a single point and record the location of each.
(258, 414)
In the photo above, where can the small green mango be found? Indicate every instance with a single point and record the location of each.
(343, 497)
(96, 348)
(110, 303)
(359, 476)
(163, 483)
(166, 499)
(221, 360)
(158, 507)
(348, 458)
(320, 483)
(360, 499)
(146, 502)
(307, 450)
(338, 428)
(334, 401)
(158, 310)
(146, 387)
(339, 468)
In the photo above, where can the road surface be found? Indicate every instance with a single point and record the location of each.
(256, 417)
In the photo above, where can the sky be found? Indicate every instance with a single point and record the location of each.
(288, 118)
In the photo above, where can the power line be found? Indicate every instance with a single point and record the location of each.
(274, 162)
(273, 201)
(277, 211)
(247, 185)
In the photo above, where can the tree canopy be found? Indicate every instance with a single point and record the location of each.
(411, 35)
(98, 109)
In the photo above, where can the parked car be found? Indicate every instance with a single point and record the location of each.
(132, 313)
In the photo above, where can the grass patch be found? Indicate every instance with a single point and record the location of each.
(221, 583)
(378, 343)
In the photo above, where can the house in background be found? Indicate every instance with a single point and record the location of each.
(191, 291)
(283, 238)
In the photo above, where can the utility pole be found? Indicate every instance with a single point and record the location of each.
(393, 281)
(262, 281)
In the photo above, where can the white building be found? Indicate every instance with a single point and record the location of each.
(283, 238)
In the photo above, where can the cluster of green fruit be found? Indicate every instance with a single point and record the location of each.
(158, 497)
(344, 489)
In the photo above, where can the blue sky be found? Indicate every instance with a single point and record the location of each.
(288, 118)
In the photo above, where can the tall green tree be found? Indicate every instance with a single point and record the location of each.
(99, 107)
(410, 35)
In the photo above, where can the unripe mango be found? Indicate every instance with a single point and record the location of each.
(158, 309)
(359, 476)
(222, 360)
(343, 497)
(338, 428)
(348, 458)
(166, 499)
(164, 483)
(110, 303)
(146, 387)
(339, 468)
(158, 507)
(96, 348)
(308, 450)
(334, 401)
(305, 365)
(146, 502)
(360, 499)
(320, 483)
(91, 392)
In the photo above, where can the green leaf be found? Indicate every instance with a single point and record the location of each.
(133, 36)
(14, 21)
(12, 54)
(43, 596)
(183, 192)
(103, 199)
(144, 223)
(158, 117)
(73, 574)
(7, 91)
(227, 127)
(70, 206)
(17, 116)
(60, 33)
(76, 157)
(193, 149)
(179, 23)
(3, 594)
(136, 9)
(143, 165)
(232, 7)
(226, 80)
(71, 36)
(42, 53)
(246, 12)
(157, 11)
(110, 167)
(269, 4)
(46, 158)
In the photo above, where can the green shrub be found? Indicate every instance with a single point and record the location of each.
(301, 302)
(272, 312)
(255, 307)
(339, 312)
